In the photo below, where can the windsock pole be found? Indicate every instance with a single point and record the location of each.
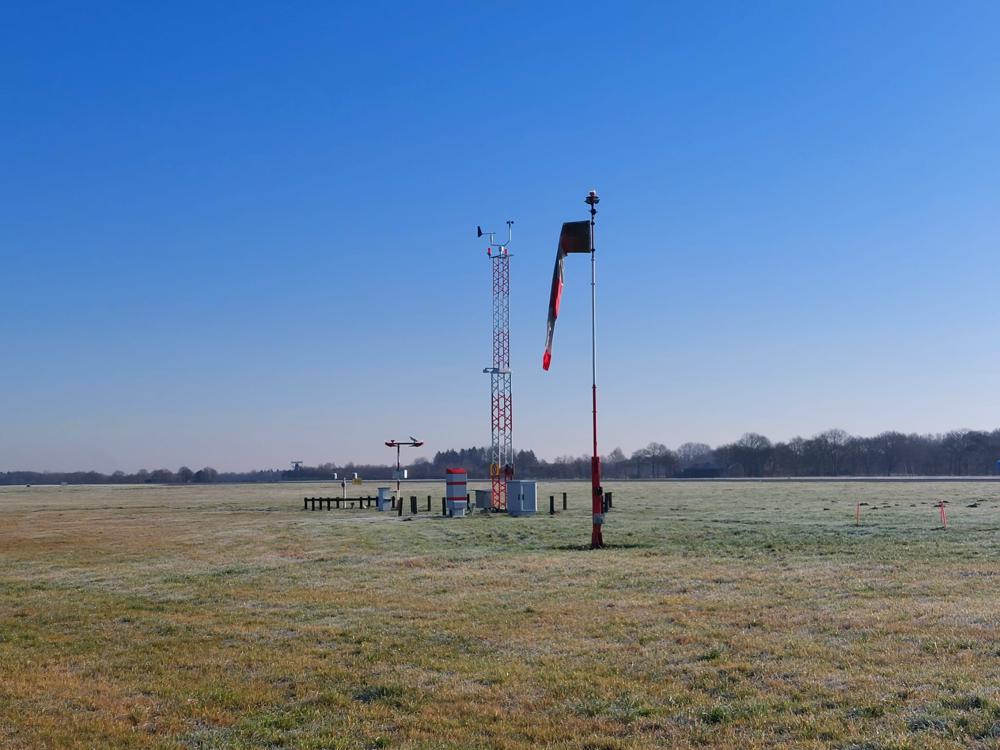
(597, 492)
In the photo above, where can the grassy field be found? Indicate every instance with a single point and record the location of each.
(726, 615)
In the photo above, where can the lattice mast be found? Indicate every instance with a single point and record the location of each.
(501, 402)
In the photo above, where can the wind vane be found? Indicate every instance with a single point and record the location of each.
(579, 237)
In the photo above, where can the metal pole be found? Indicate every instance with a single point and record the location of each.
(399, 497)
(597, 494)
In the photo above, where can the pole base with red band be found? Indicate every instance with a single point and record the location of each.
(597, 506)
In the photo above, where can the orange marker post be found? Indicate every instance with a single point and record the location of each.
(944, 515)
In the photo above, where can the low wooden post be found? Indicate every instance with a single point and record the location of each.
(305, 503)
(444, 506)
(413, 504)
(552, 505)
(610, 500)
(428, 503)
(399, 507)
(564, 501)
(468, 501)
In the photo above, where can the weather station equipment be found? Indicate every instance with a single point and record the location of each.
(400, 473)
(501, 402)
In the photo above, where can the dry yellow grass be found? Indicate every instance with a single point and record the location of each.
(728, 615)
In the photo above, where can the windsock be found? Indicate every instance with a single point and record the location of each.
(574, 238)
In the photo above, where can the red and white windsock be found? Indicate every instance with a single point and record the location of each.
(574, 238)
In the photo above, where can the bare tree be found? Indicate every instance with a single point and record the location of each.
(694, 454)
(890, 445)
(752, 452)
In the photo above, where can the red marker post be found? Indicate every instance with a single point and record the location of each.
(944, 515)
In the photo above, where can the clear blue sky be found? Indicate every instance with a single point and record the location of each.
(240, 233)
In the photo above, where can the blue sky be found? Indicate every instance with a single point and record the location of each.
(237, 234)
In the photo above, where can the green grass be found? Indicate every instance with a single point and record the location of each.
(724, 615)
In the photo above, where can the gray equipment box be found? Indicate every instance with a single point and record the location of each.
(484, 499)
(384, 501)
(521, 497)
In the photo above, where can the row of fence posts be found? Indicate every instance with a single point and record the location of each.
(309, 503)
(606, 504)
(366, 502)
(444, 505)
(413, 505)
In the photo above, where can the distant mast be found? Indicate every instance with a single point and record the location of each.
(501, 401)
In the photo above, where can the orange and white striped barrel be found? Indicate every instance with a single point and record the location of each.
(456, 491)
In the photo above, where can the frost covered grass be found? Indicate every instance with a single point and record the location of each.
(725, 615)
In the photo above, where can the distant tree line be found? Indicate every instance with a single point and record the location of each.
(836, 453)
(833, 453)
(183, 475)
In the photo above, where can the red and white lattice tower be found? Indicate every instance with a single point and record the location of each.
(502, 407)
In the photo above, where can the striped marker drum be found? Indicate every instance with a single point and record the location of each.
(456, 491)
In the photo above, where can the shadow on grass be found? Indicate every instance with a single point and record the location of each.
(586, 547)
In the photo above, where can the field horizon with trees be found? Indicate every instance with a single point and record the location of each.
(833, 453)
